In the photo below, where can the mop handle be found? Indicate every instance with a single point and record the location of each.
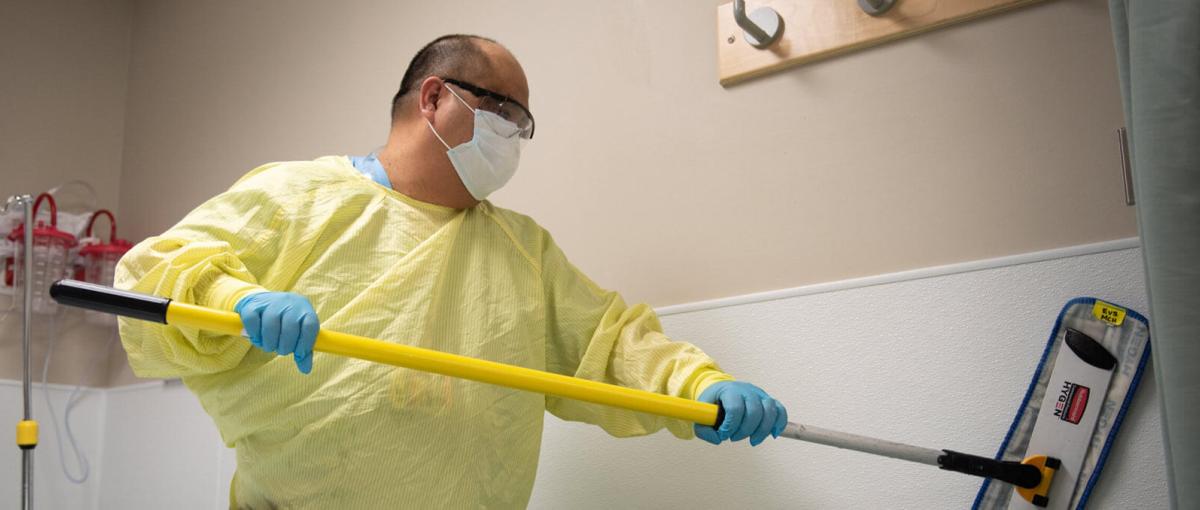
(162, 310)
(1033, 474)
(165, 311)
(863, 444)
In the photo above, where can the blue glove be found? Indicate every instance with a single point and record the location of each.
(749, 412)
(281, 322)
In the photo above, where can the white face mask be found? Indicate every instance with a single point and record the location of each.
(489, 159)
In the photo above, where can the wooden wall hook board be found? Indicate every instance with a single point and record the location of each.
(818, 29)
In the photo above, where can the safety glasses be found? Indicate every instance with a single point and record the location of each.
(506, 107)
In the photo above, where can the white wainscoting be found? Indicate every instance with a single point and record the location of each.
(938, 357)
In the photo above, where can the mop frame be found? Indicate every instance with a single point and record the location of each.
(1118, 419)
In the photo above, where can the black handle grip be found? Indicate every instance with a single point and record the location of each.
(1016, 473)
(109, 300)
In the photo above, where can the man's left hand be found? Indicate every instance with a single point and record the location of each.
(749, 413)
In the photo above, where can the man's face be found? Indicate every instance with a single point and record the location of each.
(455, 120)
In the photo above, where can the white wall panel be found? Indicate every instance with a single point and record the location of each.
(941, 360)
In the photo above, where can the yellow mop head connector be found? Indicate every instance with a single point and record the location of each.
(1040, 495)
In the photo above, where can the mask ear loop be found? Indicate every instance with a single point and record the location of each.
(430, 124)
(435, 133)
(460, 99)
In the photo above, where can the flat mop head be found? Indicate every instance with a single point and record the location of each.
(1074, 406)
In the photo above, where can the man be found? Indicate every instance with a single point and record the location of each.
(402, 246)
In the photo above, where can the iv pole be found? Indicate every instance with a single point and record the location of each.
(27, 429)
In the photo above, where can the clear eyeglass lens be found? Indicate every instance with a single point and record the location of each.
(503, 127)
(509, 112)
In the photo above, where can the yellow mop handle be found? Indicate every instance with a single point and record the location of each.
(142, 306)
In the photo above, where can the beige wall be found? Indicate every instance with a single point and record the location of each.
(63, 76)
(982, 140)
(986, 139)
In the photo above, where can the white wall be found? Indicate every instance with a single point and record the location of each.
(150, 446)
(941, 361)
(162, 451)
(51, 488)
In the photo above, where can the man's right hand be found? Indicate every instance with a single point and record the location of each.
(281, 322)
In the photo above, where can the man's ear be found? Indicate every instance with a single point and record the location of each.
(429, 94)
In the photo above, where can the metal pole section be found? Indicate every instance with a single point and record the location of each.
(27, 455)
(26, 202)
(862, 444)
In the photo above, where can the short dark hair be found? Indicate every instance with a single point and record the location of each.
(452, 56)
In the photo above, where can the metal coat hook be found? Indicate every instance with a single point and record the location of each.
(876, 7)
(763, 27)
